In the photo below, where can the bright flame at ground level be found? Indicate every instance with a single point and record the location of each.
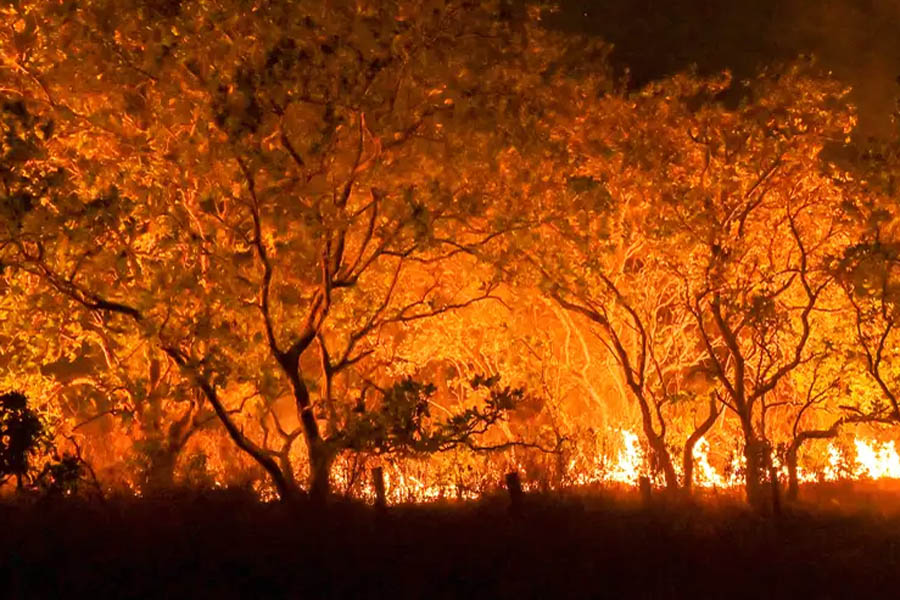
(878, 462)
(868, 459)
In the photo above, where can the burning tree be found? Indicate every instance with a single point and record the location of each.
(752, 217)
(818, 400)
(867, 270)
(267, 198)
(91, 372)
(594, 253)
(696, 236)
(262, 218)
(611, 281)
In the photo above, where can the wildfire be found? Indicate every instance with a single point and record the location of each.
(833, 469)
(409, 481)
(872, 460)
(877, 461)
(706, 474)
(631, 461)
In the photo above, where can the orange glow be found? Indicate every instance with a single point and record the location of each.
(873, 460)
(257, 261)
(877, 461)
(707, 475)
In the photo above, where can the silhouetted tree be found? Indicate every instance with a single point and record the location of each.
(23, 437)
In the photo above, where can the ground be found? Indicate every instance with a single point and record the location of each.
(587, 544)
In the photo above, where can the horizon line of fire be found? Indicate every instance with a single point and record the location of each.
(872, 460)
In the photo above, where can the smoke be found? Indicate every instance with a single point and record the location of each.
(855, 39)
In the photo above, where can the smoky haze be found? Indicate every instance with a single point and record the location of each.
(858, 40)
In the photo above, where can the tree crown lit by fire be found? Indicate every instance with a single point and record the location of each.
(275, 244)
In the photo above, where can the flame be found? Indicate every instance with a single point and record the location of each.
(877, 461)
(873, 460)
(408, 481)
(706, 474)
(629, 464)
(833, 468)
(631, 461)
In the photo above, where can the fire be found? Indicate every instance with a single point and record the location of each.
(631, 461)
(496, 268)
(831, 472)
(873, 460)
(877, 461)
(706, 474)
(416, 481)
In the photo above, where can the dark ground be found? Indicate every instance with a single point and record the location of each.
(591, 546)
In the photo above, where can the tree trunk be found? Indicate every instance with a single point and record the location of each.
(378, 484)
(321, 458)
(658, 446)
(286, 491)
(687, 459)
(287, 467)
(756, 454)
(160, 474)
(776, 492)
(793, 489)
(687, 466)
(794, 450)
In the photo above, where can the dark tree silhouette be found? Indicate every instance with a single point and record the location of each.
(22, 437)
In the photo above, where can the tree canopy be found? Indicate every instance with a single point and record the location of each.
(408, 228)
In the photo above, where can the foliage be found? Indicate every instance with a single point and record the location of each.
(26, 438)
(23, 437)
(64, 477)
(276, 224)
(276, 202)
(403, 422)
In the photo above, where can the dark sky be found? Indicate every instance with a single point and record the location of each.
(859, 40)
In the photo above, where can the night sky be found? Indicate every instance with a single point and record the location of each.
(859, 40)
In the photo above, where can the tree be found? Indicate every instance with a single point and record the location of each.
(701, 227)
(868, 273)
(23, 436)
(285, 188)
(867, 270)
(753, 215)
(595, 250)
(818, 399)
(92, 373)
(639, 317)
